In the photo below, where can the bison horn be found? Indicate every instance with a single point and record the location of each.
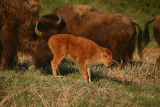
(36, 30)
(59, 21)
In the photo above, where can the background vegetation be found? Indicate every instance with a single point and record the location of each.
(137, 85)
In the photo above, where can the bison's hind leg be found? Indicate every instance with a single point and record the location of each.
(55, 62)
(82, 69)
(89, 73)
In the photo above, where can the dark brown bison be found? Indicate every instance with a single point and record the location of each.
(108, 30)
(156, 33)
(23, 30)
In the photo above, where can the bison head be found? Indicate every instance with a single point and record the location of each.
(49, 25)
(33, 37)
(45, 27)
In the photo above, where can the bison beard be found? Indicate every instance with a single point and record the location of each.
(17, 30)
(108, 30)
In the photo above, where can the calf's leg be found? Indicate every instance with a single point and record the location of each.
(55, 62)
(89, 74)
(82, 69)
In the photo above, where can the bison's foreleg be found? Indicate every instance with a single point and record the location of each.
(9, 60)
(9, 48)
(158, 63)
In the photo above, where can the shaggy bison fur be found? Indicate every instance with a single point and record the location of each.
(21, 29)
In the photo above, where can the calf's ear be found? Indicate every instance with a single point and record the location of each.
(98, 50)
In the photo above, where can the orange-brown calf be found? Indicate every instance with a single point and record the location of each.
(80, 50)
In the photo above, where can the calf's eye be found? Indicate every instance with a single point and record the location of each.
(105, 56)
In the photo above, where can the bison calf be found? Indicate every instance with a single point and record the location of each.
(80, 50)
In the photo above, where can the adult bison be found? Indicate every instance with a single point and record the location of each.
(156, 33)
(108, 30)
(23, 30)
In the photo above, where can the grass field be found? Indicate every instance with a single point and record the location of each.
(134, 86)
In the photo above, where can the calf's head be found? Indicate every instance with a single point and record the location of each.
(105, 56)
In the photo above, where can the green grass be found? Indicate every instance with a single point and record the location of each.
(129, 87)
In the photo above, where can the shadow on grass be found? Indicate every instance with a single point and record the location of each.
(97, 76)
(63, 70)
(69, 68)
(66, 70)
